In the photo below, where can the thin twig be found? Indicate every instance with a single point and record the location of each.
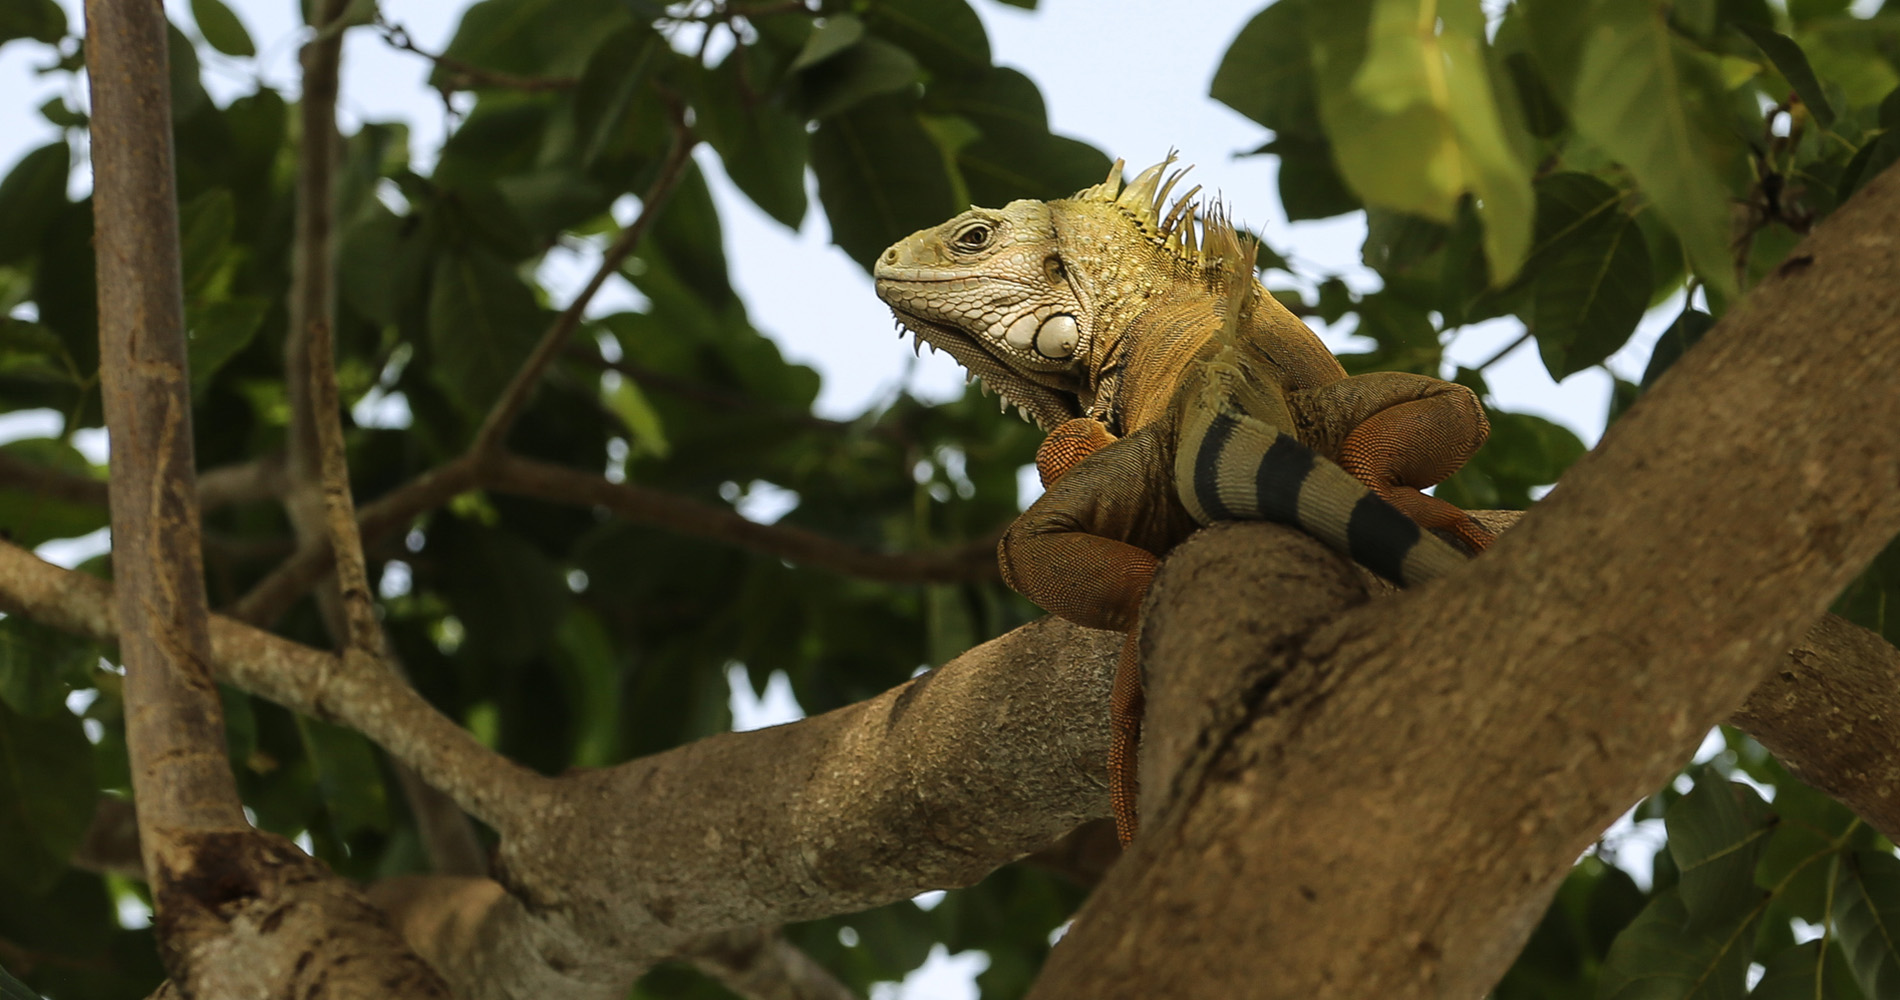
(509, 473)
(364, 634)
(1508, 348)
(502, 416)
(274, 595)
(242, 482)
(468, 76)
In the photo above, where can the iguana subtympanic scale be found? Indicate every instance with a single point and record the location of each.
(1177, 392)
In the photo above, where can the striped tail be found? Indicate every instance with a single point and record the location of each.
(1232, 467)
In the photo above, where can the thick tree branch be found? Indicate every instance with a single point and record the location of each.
(239, 913)
(1827, 713)
(937, 785)
(174, 724)
(759, 964)
(1569, 670)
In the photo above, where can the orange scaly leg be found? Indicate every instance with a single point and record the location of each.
(1067, 445)
(1124, 739)
(1401, 449)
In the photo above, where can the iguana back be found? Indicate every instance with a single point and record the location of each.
(1177, 393)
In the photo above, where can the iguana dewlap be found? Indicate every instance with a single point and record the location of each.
(1177, 393)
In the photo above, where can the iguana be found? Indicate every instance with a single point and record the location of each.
(1177, 392)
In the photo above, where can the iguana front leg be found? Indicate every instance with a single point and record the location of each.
(1078, 552)
(1399, 433)
(1067, 445)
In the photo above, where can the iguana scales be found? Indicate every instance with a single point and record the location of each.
(1177, 392)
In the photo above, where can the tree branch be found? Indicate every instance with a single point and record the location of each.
(1569, 671)
(239, 913)
(468, 76)
(939, 762)
(759, 964)
(641, 505)
(219, 487)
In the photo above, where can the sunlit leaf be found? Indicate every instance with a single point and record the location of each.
(1428, 92)
(1651, 103)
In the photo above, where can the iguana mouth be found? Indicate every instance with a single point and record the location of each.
(1042, 405)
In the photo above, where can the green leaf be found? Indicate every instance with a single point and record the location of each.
(40, 664)
(1793, 64)
(56, 111)
(762, 145)
(205, 227)
(483, 322)
(1588, 296)
(1654, 106)
(40, 20)
(1798, 973)
(533, 37)
(880, 176)
(630, 404)
(861, 72)
(507, 626)
(1522, 453)
(222, 28)
(27, 517)
(30, 199)
(835, 34)
(1429, 93)
(1662, 956)
(1716, 835)
(1867, 911)
(1015, 156)
(47, 795)
(1681, 335)
(1267, 73)
(218, 332)
(946, 36)
(1310, 185)
(1803, 11)
(348, 775)
(1874, 156)
(13, 989)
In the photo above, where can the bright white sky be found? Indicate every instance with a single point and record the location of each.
(1128, 76)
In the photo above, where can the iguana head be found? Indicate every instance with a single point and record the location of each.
(1033, 298)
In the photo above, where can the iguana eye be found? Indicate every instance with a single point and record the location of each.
(974, 237)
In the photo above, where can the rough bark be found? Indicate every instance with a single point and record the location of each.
(238, 913)
(1477, 734)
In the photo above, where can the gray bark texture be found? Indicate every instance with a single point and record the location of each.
(1403, 783)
